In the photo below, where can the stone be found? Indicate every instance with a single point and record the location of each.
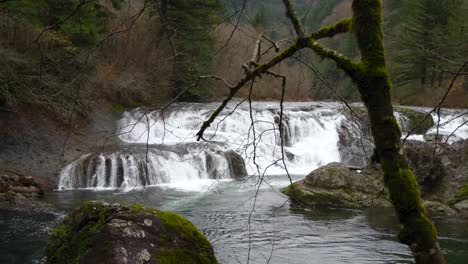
(98, 232)
(236, 164)
(334, 185)
(415, 120)
(442, 178)
(462, 206)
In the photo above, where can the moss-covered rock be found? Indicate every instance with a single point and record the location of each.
(415, 118)
(102, 233)
(334, 185)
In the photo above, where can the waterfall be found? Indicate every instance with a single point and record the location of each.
(132, 167)
(314, 134)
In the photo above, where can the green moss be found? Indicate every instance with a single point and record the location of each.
(70, 240)
(462, 193)
(418, 229)
(118, 108)
(176, 256)
(314, 198)
(178, 226)
(415, 117)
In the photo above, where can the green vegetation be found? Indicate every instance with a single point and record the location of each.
(68, 242)
(82, 29)
(189, 23)
(462, 194)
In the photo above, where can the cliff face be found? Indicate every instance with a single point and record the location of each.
(34, 143)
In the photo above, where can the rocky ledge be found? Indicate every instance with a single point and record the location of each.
(14, 188)
(441, 171)
(102, 233)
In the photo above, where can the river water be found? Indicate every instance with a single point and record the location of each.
(278, 233)
(246, 222)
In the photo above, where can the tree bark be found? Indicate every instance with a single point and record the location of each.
(374, 86)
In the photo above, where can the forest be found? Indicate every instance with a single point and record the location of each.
(279, 131)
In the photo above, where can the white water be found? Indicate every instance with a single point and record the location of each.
(310, 136)
(310, 140)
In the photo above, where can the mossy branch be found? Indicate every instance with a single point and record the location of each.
(292, 15)
(350, 67)
(342, 26)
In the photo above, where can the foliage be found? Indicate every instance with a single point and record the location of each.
(428, 37)
(83, 28)
(189, 24)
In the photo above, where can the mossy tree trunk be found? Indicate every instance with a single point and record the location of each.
(371, 77)
(374, 86)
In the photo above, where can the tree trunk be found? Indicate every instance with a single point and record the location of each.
(374, 86)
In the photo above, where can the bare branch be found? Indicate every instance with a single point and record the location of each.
(58, 23)
(439, 105)
(235, 27)
(250, 75)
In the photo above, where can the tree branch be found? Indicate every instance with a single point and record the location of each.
(343, 62)
(292, 15)
(250, 75)
(342, 26)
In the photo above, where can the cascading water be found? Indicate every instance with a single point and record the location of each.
(310, 132)
(167, 152)
(136, 166)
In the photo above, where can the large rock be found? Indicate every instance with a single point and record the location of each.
(103, 233)
(417, 120)
(441, 171)
(18, 186)
(236, 164)
(355, 138)
(334, 185)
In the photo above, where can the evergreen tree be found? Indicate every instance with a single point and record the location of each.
(83, 28)
(189, 24)
(428, 38)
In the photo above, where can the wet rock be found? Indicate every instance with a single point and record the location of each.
(334, 185)
(236, 164)
(355, 139)
(462, 207)
(439, 209)
(441, 169)
(442, 178)
(415, 120)
(15, 186)
(103, 233)
(434, 137)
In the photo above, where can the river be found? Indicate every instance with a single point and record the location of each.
(175, 173)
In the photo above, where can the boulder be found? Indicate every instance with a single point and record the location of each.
(23, 186)
(415, 120)
(441, 171)
(334, 185)
(356, 144)
(102, 233)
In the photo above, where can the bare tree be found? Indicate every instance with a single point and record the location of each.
(371, 77)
